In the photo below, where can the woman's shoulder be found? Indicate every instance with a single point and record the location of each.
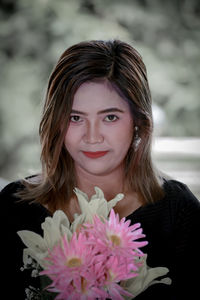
(12, 188)
(8, 195)
(179, 193)
(183, 206)
(20, 212)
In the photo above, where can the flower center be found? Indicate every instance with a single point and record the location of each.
(116, 241)
(74, 262)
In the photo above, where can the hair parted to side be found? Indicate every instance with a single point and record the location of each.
(120, 64)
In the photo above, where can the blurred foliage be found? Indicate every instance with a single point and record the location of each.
(33, 35)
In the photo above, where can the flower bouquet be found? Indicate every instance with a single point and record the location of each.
(98, 256)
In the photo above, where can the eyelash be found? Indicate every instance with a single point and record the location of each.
(107, 117)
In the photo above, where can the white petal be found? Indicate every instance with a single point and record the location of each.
(83, 203)
(76, 190)
(99, 192)
(51, 234)
(52, 227)
(61, 218)
(78, 221)
(114, 201)
(33, 240)
(66, 231)
(99, 207)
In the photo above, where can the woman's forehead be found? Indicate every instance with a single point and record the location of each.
(99, 94)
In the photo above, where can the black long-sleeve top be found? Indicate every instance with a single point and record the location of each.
(171, 226)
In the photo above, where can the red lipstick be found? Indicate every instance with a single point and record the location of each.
(95, 154)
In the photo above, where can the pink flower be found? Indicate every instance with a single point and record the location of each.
(69, 266)
(116, 237)
(95, 260)
(117, 270)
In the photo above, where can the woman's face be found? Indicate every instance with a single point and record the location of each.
(100, 129)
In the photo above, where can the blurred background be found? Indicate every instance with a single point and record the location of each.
(33, 34)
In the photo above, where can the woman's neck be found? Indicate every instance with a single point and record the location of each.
(111, 184)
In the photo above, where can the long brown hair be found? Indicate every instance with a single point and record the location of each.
(120, 64)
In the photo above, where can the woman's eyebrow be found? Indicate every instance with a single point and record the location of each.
(73, 111)
(112, 109)
(108, 110)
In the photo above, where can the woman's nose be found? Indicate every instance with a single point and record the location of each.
(93, 134)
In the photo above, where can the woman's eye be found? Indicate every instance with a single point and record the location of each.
(111, 118)
(75, 119)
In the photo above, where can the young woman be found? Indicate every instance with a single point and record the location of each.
(96, 130)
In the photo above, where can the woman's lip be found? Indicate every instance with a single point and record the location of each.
(95, 154)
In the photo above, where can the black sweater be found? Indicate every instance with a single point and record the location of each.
(171, 226)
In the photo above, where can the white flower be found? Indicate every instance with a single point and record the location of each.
(146, 277)
(53, 229)
(57, 226)
(97, 205)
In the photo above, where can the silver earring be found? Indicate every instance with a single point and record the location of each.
(137, 139)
